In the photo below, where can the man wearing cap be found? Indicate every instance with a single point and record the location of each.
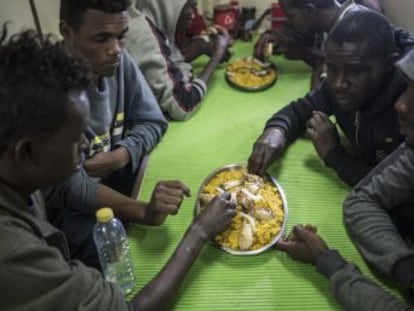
(379, 212)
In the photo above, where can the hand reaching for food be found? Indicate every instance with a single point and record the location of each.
(267, 148)
(303, 244)
(216, 216)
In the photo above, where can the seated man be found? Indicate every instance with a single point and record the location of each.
(304, 35)
(305, 19)
(126, 122)
(41, 144)
(379, 212)
(360, 90)
(152, 41)
(352, 290)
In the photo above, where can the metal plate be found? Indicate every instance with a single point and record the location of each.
(284, 203)
(257, 88)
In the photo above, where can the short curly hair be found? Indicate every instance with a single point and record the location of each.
(320, 4)
(366, 26)
(71, 11)
(35, 81)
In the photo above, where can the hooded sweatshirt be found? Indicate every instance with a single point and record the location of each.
(36, 273)
(151, 41)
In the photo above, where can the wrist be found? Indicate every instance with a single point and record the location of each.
(198, 232)
(275, 131)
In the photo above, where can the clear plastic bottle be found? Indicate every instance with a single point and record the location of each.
(113, 249)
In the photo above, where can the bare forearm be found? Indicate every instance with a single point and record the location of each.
(125, 208)
(121, 156)
(210, 67)
(157, 294)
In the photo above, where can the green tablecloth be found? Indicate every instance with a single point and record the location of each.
(222, 132)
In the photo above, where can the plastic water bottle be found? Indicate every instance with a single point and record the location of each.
(113, 250)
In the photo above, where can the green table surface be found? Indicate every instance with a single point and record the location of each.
(220, 133)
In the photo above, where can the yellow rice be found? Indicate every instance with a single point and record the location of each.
(266, 230)
(242, 73)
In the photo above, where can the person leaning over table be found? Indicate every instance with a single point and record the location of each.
(152, 42)
(379, 212)
(352, 290)
(41, 145)
(126, 122)
(308, 24)
(360, 90)
(304, 20)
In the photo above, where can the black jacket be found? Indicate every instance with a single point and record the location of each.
(373, 131)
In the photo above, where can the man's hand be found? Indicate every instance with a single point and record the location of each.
(103, 164)
(323, 133)
(265, 151)
(221, 41)
(303, 244)
(167, 197)
(261, 46)
(215, 217)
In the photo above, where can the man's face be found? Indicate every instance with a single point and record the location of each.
(296, 17)
(99, 39)
(405, 108)
(60, 154)
(354, 77)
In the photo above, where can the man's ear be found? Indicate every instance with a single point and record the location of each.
(65, 30)
(23, 151)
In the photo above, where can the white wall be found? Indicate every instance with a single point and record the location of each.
(19, 13)
(401, 12)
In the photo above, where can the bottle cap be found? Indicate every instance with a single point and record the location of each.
(104, 214)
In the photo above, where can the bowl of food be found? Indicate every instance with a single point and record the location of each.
(250, 74)
(261, 209)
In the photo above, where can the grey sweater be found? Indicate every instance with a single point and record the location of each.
(367, 211)
(354, 291)
(35, 273)
(124, 112)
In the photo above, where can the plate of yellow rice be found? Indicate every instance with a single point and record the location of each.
(250, 74)
(261, 209)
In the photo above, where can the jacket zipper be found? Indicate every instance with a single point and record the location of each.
(357, 122)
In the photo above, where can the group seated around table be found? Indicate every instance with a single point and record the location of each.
(45, 107)
(105, 98)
